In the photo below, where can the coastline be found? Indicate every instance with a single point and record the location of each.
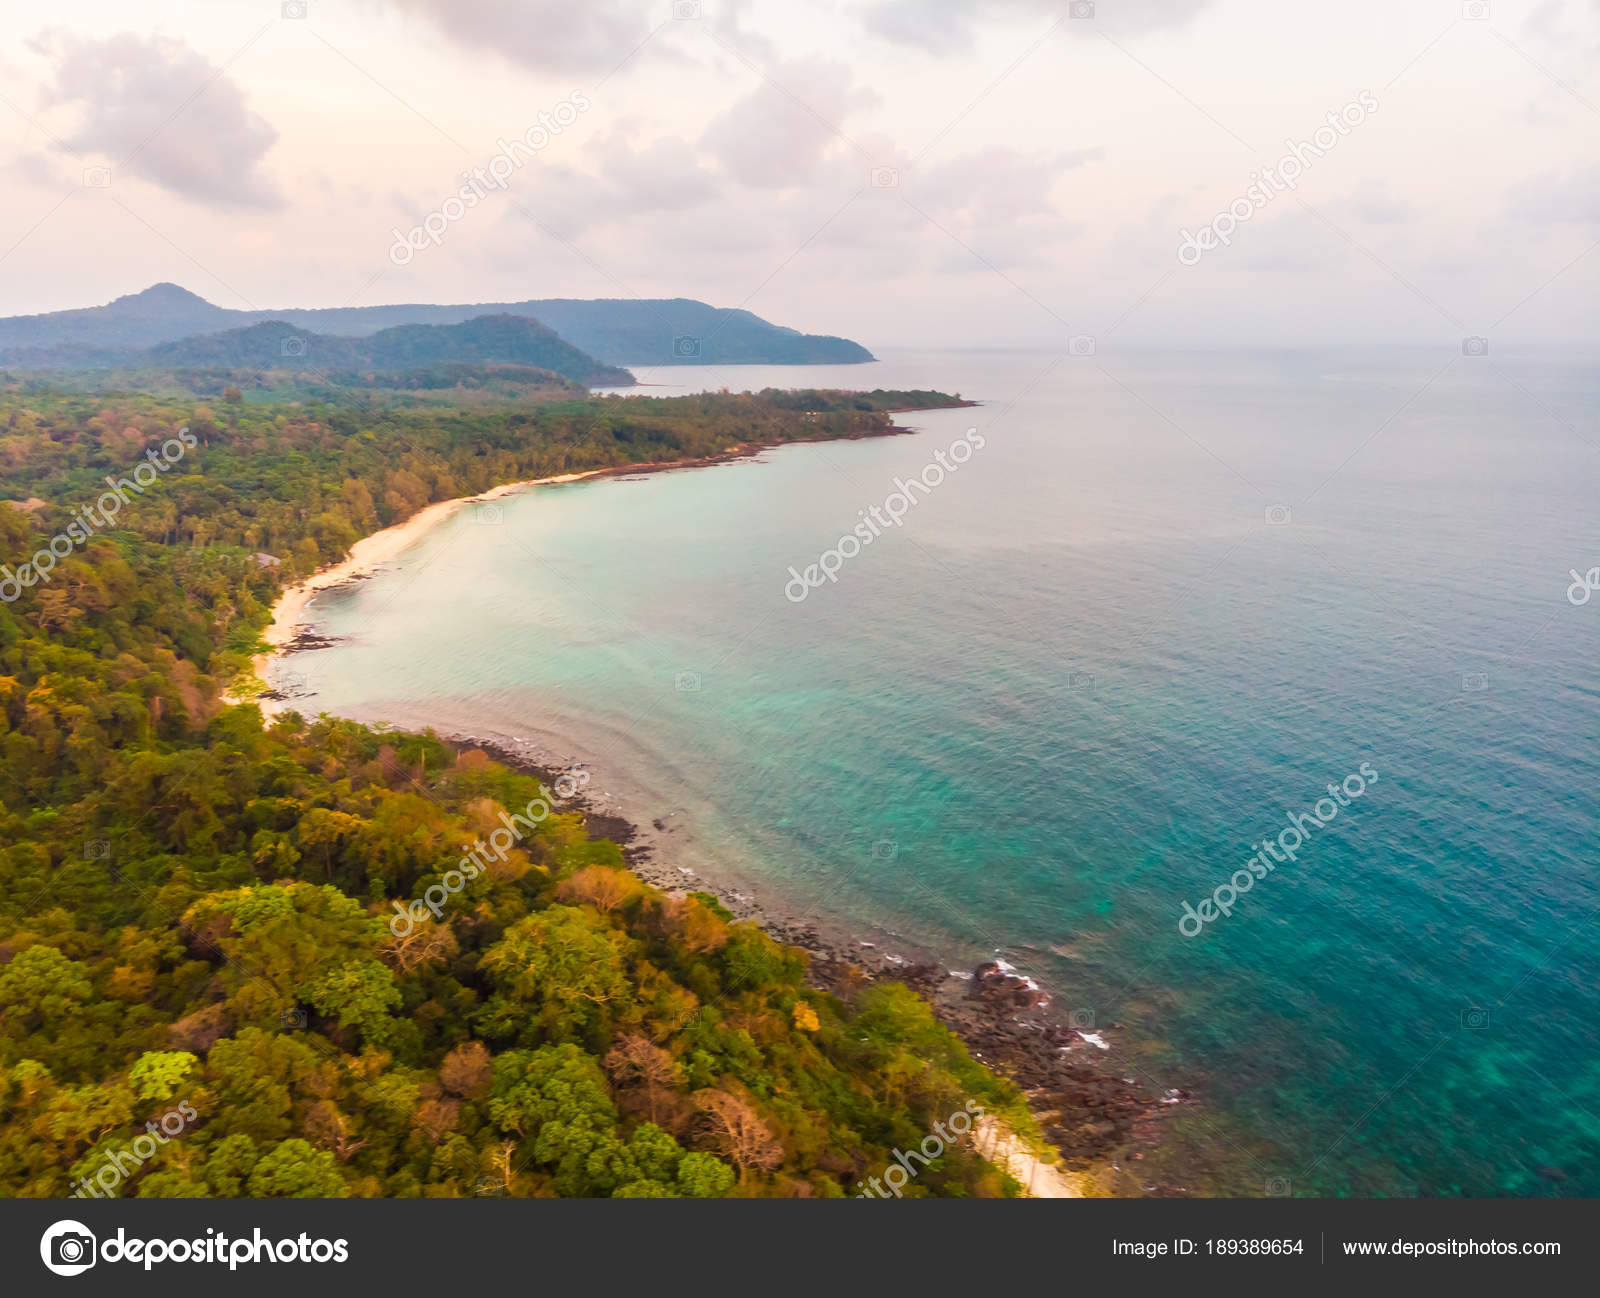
(1092, 1115)
(1089, 1115)
(371, 552)
(366, 556)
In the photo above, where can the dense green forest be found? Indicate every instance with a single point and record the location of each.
(206, 985)
(452, 386)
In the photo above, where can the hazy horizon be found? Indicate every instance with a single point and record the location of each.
(901, 172)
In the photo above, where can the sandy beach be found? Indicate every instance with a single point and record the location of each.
(1002, 1147)
(1033, 1055)
(371, 552)
(366, 557)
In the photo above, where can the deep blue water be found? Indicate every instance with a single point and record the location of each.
(1081, 682)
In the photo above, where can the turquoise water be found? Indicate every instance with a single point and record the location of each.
(1079, 684)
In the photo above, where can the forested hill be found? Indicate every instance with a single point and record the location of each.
(617, 331)
(489, 339)
(275, 345)
(199, 926)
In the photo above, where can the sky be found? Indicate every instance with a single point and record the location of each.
(1013, 173)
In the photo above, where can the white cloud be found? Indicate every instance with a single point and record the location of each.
(1570, 196)
(997, 188)
(949, 26)
(155, 108)
(778, 134)
(628, 187)
(548, 35)
(1376, 205)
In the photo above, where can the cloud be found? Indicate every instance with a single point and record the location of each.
(664, 215)
(31, 169)
(778, 134)
(996, 188)
(159, 110)
(1549, 198)
(923, 23)
(628, 185)
(546, 35)
(1548, 22)
(1377, 206)
(942, 27)
(664, 175)
(1285, 241)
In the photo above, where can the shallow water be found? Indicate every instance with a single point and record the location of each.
(1079, 683)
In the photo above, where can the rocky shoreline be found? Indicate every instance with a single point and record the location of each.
(1094, 1116)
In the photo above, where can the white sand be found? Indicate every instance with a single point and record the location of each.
(996, 1142)
(366, 557)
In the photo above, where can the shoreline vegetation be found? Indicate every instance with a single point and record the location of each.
(365, 558)
(194, 892)
(368, 554)
(985, 1019)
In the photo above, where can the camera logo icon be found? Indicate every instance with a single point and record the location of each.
(1278, 515)
(68, 1248)
(1080, 680)
(1080, 345)
(293, 1019)
(884, 178)
(1081, 9)
(1474, 682)
(293, 9)
(1081, 1020)
(1475, 346)
(1476, 11)
(96, 849)
(685, 345)
(293, 345)
(96, 177)
(489, 514)
(686, 11)
(686, 682)
(1474, 1019)
(1279, 1187)
(885, 849)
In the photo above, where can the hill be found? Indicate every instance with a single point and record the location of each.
(617, 331)
(496, 339)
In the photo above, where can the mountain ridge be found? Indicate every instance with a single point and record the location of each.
(497, 339)
(615, 331)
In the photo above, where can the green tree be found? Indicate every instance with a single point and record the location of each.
(701, 1176)
(158, 1074)
(555, 975)
(294, 1170)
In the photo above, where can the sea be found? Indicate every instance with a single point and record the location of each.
(1244, 700)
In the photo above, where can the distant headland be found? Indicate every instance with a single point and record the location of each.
(639, 332)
